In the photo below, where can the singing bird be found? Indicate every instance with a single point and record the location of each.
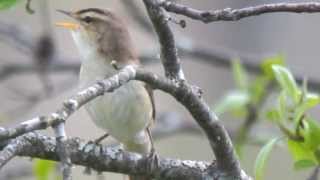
(102, 38)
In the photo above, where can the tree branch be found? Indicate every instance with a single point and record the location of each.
(10, 150)
(229, 14)
(102, 158)
(169, 54)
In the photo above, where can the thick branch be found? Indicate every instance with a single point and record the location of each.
(229, 14)
(216, 133)
(109, 159)
(169, 54)
(10, 150)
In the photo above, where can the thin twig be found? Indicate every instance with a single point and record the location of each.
(229, 14)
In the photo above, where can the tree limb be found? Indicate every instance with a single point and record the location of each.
(169, 54)
(10, 150)
(102, 158)
(229, 14)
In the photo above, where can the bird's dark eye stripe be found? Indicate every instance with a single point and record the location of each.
(87, 19)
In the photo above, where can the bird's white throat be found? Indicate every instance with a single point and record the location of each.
(93, 66)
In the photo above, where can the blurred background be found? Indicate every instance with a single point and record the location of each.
(25, 95)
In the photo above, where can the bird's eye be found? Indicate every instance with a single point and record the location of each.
(87, 19)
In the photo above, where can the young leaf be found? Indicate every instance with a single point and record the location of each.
(234, 100)
(240, 75)
(43, 168)
(303, 164)
(266, 65)
(302, 155)
(282, 106)
(311, 100)
(311, 134)
(262, 157)
(5, 4)
(287, 82)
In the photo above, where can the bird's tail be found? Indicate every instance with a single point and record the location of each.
(141, 145)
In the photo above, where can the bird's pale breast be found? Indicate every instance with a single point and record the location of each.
(124, 113)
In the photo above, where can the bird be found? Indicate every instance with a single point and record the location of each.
(105, 44)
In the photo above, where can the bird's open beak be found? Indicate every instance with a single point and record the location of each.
(67, 25)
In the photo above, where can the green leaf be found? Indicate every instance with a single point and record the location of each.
(5, 4)
(234, 100)
(262, 157)
(311, 134)
(302, 155)
(282, 106)
(43, 168)
(311, 100)
(303, 164)
(240, 75)
(266, 65)
(286, 82)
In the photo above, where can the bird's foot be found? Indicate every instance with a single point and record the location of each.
(101, 138)
(153, 159)
(96, 142)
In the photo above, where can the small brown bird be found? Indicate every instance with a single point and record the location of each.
(126, 114)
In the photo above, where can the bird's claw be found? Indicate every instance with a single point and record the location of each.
(153, 159)
(96, 142)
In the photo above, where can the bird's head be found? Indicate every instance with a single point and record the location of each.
(100, 30)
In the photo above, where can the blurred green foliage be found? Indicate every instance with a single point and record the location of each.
(5, 4)
(248, 93)
(301, 132)
(45, 170)
(288, 112)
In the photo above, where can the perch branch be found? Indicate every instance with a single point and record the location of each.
(102, 158)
